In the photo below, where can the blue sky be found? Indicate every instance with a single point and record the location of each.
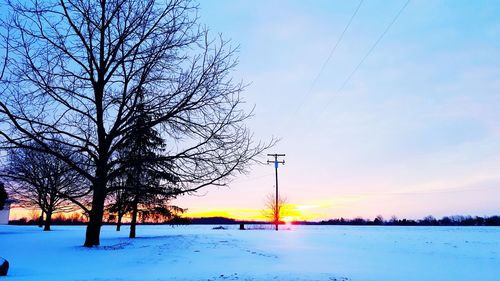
(416, 130)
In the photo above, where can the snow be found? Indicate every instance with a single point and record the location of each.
(364, 253)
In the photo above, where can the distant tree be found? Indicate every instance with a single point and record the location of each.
(41, 180)
(394, 220)
(159, 213)
(155, 210)
(87, 63)
(429, 220)
(359, 221)
(494, 220)
(120, 205)
(480, 221)
(177, 220)
(379, 220)
(446, 221)
(275, 212)
(3, 195)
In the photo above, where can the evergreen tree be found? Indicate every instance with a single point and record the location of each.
(148, 181)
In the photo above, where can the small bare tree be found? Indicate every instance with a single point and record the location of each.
(275, 212)
(120, 204)
(43, 181)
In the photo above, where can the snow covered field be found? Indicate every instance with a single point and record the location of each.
(301, 253)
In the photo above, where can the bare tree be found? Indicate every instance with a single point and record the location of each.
(3, 195)
(76, 69)
(43, 181)
(153, 208)
(275, 212)
(120, 204)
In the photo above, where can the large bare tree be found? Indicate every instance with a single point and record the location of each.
(76, 70)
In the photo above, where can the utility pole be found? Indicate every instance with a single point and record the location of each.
(276, 163)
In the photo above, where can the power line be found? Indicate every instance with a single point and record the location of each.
(334, 47)
(366, 55)
(330, 55)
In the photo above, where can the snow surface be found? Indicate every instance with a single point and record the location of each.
(341, 253)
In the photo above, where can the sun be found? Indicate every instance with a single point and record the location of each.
(288, 219)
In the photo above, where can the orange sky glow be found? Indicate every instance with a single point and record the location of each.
(292, 212)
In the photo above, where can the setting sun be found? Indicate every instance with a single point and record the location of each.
(288, 219)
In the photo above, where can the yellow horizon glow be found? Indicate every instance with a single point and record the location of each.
(293, 212)
(17, 213)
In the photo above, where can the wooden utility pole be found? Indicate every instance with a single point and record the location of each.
(276, 164)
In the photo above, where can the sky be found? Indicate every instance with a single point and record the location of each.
(414, 131)
(405, 127)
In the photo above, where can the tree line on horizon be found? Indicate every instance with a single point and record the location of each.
(114, 108)
(456, 220)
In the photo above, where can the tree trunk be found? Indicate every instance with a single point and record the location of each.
(40, 219)
(133, 222)
(119, 221)
(92, 236)
(48, 221)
